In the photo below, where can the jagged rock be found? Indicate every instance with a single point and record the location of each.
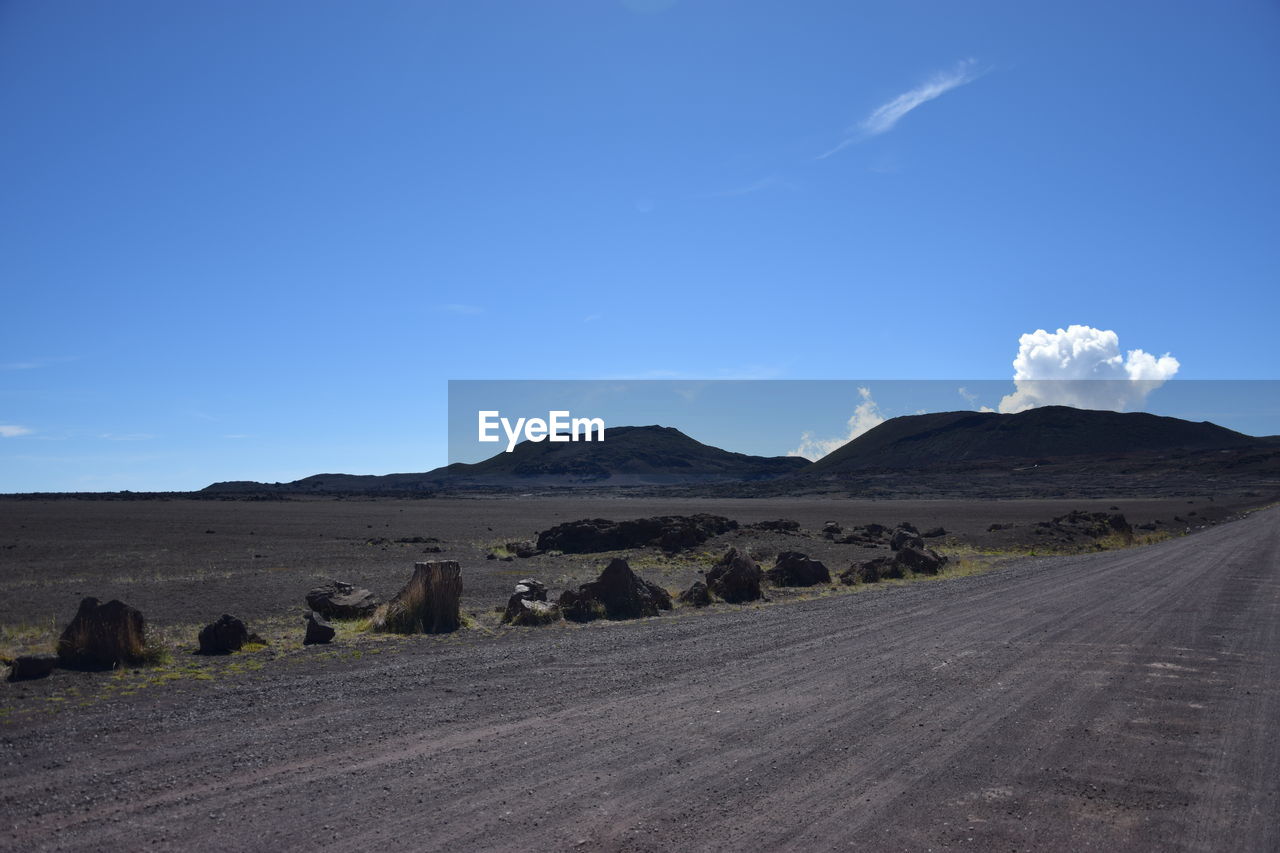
(735, 578)
(904, 538)
(922, 561)
(318, 630)
(908, 526)
(531, 612)
(340, 600)
(795, 569)
(224, 636)
(874, 529)
(103, 636)
(619, 593)
(527, 589)
(935, 533)
(831, 529)
(782, 525)
(671, 533)
(26, 667)
(696, 595)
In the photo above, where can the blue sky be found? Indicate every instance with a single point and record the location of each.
(254, 240)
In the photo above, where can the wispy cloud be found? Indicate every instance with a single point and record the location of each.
(128, 436)
(458, 308)
(13, 430)
(770, 183)
(884, 117)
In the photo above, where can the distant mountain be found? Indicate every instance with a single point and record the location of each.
(963, 439)
(628, 456)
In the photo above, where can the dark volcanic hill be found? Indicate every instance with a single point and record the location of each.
(962, 439)
(628, 456)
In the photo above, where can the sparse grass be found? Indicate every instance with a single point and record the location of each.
(28, 638)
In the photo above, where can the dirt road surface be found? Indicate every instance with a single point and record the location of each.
(1118, 701)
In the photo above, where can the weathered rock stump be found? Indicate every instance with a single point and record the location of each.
(430, 602)
(103, 636)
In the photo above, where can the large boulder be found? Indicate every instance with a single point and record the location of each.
(340, 600)
(872, 571)
(103, 636)
(795, 569)
(735, 578)
(318, 630)
(671, 533)
(224, 636)
(26, 667)
(618, 593)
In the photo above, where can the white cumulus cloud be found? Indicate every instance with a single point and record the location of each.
(865, 417)
(1083, 367)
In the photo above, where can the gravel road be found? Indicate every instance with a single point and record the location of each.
(1117, 701)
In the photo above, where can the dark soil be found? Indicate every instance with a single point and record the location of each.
(1110, 701)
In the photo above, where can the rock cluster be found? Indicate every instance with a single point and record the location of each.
(671, 533)
(910, 558)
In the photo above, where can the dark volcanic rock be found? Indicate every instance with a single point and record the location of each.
(922, 561)
(671, 533)
(339, 600)
(618, 593)
(26, 667)
(831, 530)
(796, 569)
(577, 607)
(934, 533)
(224, 636)
(527, 589)
(782, 525)
(736, 578)
(696, 595)
(103, 636)
(318, 630)
(872, 571)
(905, 538)
(530, 612)
(522, 549)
